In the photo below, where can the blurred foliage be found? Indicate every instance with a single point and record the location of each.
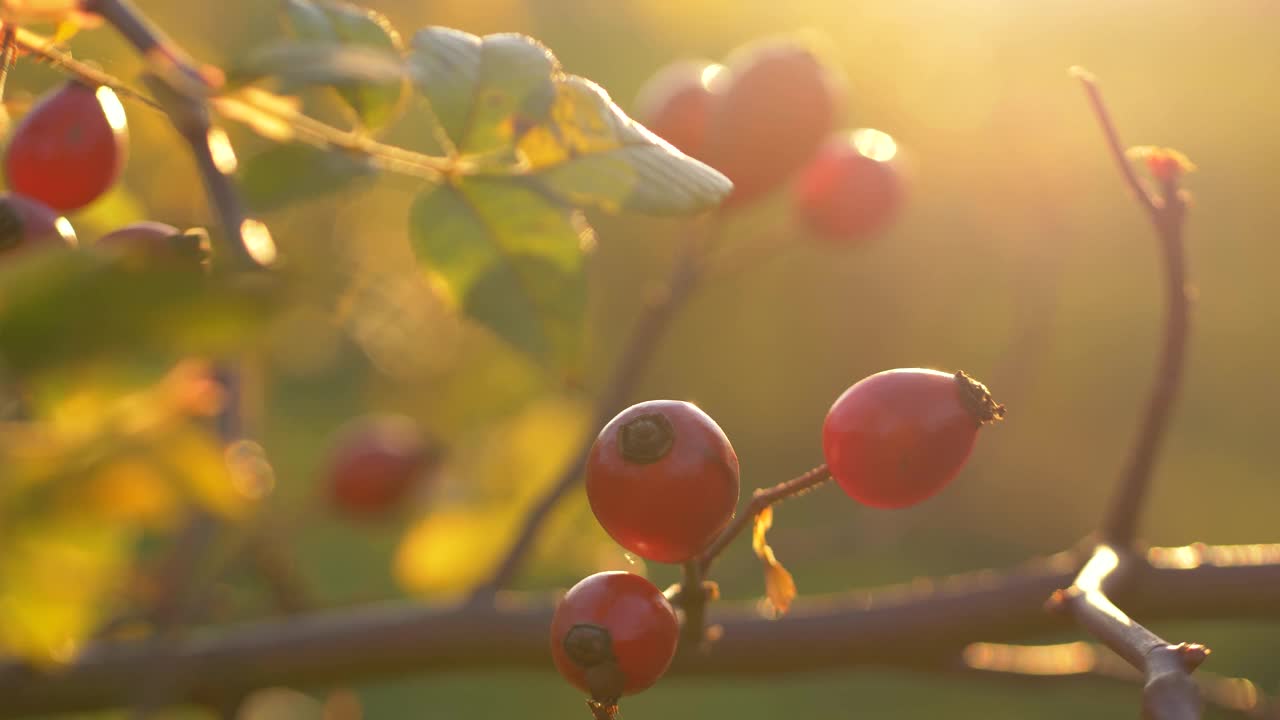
(1019, 260)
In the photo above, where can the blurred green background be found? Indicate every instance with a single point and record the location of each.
(1018, 258)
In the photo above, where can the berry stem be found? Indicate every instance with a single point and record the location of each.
(602, 711)
(1167, 213)
(693, 600)
(761, 499)
(8, 54)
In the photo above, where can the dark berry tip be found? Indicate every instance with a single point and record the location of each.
(588, 645)
(646, 438)
(977, 399)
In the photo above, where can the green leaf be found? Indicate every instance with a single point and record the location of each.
(484, 91)
(297, 65)
(68, 308)
(327, 22)
(285, 174)
(591, 153)
(511, 258)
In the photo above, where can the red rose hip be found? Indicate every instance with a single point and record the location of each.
(70, 148)
(26, 224)
(613, 634)
(676, 103)
(851, 188)
(774, 105)
(898, 437)
(376, 461)
(662, 480)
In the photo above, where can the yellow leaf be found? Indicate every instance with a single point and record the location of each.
(503, 475)
(780, 587)
(195, 457)
(453, 550)
(132, 491)
(57, 578)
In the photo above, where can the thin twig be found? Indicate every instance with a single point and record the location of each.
(44, 48)
(186, 88)
(1120, 526)
(636, 354)
(915, 625)
(8, 54)
(1116, 148)
(761, 499)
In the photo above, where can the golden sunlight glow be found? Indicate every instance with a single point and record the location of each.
(709, 74)
(1190, 556)
(224, 156)
(1072, 658)
(1104, 561)
(64, 228)
(111, 108)
(257, 240)
(879, 146)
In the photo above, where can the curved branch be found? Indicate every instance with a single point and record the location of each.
(918, 625)
(1120, 525)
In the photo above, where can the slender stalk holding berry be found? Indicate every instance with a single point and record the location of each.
(761, 499)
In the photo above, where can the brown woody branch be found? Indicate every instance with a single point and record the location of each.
(1088, 663)
(1167, 213)
(918, 625)
(185, 88)
(1169, 692)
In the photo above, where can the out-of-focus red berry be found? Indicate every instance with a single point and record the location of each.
(851, 188)
(676, 103)
(376, 461)
(26, 224)
(774, 104)
(70, 148)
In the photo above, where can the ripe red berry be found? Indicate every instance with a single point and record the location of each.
(613, 634)
(899, 436)
(775, 104)
(25, 224)
(676, 103)
(376, 461)
(851, 188)
(70, 148)
(157, 240)
(662, 480)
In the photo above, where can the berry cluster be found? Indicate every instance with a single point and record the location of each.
(67, 152)
(766, 118)
(663, 481)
